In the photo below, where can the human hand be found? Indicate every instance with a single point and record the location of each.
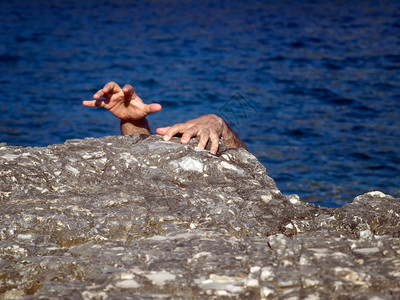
(209, 128)
(123, 103)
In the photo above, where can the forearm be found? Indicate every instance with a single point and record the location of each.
(129, 127)
(230, 138)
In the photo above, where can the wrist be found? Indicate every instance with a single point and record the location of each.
(137, 123)
(129, 127)
(230, 137)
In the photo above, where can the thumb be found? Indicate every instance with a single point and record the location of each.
(154, 107)
(162, 130)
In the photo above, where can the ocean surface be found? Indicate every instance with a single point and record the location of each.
(312, 87)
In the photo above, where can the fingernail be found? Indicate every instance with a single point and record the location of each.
(184, 140)
(165, 137)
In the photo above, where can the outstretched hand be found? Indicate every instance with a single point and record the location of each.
(209, 128)
(123, 103)
(126, 105)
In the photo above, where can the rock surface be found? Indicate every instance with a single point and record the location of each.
(139, 218)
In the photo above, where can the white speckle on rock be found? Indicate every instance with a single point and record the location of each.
(93, 155)
(73, 170)
(164, 144)
(294, 199)
(221, 293)
(266, 198)
(102, 160)
(351, 275)
(223, 282)
(16, 250)
(117, 249)
(311, 282)
(275, 191)
(52, 248)
(252, 283)
(159, 278)
(376, 194)
(10, 157)
(287, 263)
(129, 158)
(267, 292)
(255, 269)
(227, 165)
(289, 226)
(267, 273)
(339, 255)
(89, 295)
(319, 250)
(201, 254)
(319, 255)
(303, 261)
(226, 156)
(128, 284)
(24, 236)
(366, 234)
(298, 229)
(394, 273)
(191, 164)
(42, 190)
(126, 276)
(367, 251)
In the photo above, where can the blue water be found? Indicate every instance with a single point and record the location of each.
(312, 88)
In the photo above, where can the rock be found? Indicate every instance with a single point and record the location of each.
(143, 218)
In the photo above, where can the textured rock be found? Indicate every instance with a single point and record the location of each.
(137, 217)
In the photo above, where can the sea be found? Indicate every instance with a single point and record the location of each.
(311, 87)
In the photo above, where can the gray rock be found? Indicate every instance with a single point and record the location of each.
(139, 218)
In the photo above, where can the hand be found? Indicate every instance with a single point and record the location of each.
(207, 128)
(124, 103)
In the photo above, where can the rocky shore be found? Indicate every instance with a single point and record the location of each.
(139, 218)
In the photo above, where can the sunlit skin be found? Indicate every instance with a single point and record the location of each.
(209, 128)
(127, 106)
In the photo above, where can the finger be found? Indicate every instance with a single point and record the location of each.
(204, 136)
(98, 94)
(88, 103)
(162, 130)
(93, 103)
(177, 128)
(153, 108)
(128, 91)
(111, 87)
(188, 134)
(214, 138)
